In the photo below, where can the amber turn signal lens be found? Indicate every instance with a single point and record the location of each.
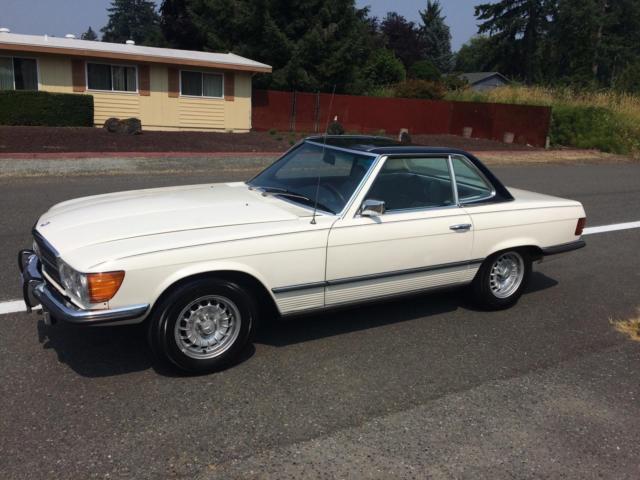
(580, 226)
(103, 286)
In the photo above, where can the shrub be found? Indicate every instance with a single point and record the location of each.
(46, 109)
(383, 92)
(629, 79)
(421, 89)
(425, 70)
(588, 127)
(455, 82)
(384, 68)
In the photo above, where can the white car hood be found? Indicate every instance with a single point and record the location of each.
(141, 213)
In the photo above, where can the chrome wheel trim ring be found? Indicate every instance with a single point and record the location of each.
(207, 327)
(506, 274)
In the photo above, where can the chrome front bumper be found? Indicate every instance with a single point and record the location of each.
(55, 306)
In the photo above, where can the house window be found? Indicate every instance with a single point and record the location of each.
(200, 84)
(18, 73)
(112, 78)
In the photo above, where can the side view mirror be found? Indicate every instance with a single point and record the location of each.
(372, 208)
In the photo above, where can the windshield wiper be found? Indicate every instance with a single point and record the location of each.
(275, 191)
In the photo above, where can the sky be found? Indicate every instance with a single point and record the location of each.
(59, 17)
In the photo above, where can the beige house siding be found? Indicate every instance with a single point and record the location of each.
(157, 111)
(119, 105)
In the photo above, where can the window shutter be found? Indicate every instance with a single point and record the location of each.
(174, 82)
(229, 86)
(144, 80)
(78, 77)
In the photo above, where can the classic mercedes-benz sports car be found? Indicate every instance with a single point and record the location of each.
(335, 221)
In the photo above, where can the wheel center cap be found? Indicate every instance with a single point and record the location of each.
(207, 326)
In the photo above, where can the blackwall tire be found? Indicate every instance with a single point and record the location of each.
(501, 279)
(203, 326)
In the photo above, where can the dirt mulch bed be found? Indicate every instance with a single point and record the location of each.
(63, 140)
(66, 139)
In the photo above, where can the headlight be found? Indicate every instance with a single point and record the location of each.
(75, 283)
(90, 287)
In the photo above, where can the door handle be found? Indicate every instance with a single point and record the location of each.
(462, 227)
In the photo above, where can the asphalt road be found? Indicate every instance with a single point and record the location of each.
(425, 387)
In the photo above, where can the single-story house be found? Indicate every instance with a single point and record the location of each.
(166, 89)
(482, 81)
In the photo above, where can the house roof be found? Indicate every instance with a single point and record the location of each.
(477, 77)
(137, 53)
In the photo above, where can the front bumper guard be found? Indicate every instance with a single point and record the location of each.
(55, 306)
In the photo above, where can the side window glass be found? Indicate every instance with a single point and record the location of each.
(413, 183)
(472, 186)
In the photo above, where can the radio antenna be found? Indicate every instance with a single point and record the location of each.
(324, 145)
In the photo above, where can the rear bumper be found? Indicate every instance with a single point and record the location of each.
(55, 306)
(563, 248)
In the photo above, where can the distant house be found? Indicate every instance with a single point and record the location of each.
(166, 89)
(482, 81)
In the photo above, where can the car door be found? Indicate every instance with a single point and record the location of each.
(423, 240)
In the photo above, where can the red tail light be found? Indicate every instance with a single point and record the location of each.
(580, 226)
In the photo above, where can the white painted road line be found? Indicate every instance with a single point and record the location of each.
(17, 306)
(611, 228)
(12, 307)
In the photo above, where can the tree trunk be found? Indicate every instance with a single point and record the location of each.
(595, 66)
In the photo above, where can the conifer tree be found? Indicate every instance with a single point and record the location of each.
(435, 36)
(135, 20)
(89, 35)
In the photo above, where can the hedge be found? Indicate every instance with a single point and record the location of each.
(589, 127)
(46, 109)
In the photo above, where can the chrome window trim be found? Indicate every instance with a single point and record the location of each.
(420, 209)
(454, 182)
(471, 165)
(356, 191)
(379, 159)
(349, 150)
(454, 187)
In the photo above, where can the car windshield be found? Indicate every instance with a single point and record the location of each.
(333, 174)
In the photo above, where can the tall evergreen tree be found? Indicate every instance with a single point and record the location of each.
(595, 41)
(618, 40)
(312, 45)
(436, 36)
(402, 37)
(475, 55)
(177, 26)
(517, 29)
(89, 35)
(135, 20)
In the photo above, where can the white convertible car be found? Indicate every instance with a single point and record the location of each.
(336, 221)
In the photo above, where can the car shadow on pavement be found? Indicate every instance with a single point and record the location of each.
(109, 351)
(97, 351)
